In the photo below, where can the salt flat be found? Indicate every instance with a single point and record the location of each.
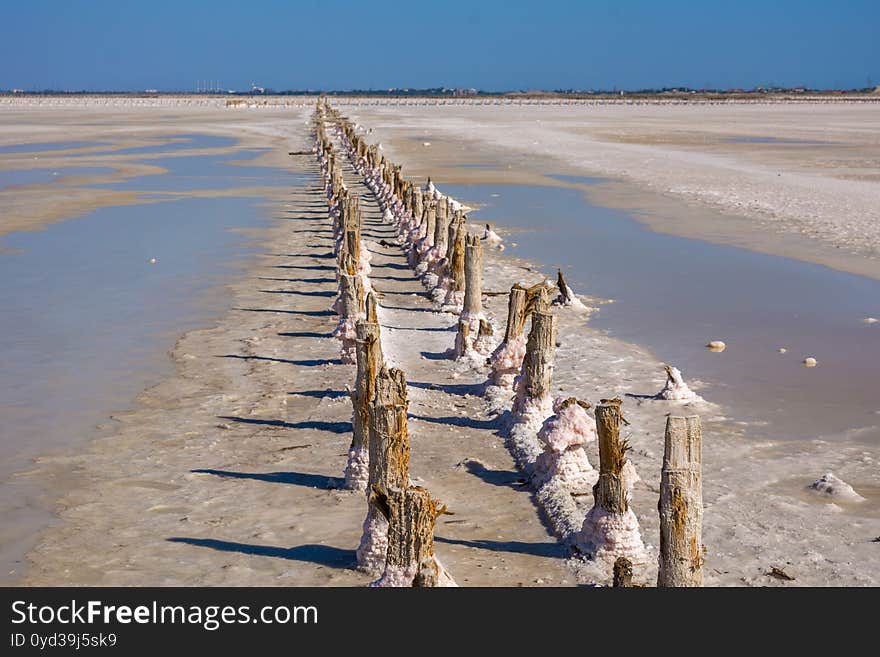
(223, 473)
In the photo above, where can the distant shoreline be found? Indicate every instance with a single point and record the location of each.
(303, 99)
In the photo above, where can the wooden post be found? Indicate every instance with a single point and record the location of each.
(611, 529)
(506, 360)
(370, 309)
(564, 298)
(454, 226)
(348, 305)
(623, 573)
(533, 402)
(610, 491)
(473, 276)
(681, 504)
(411, 514)
(441, 229)
(418, 204)
(388, 431)
(430, 221)
(368, 351)
(516, 312)
(455, 270)
(540, 355)
(388, 442)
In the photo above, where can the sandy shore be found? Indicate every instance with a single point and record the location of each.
(225, 472)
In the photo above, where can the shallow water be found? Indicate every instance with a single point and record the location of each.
(176, 142)
(192, 172)
(48, 146)
(674, 294)
(14, 177)
(88, 320)
(776, 140)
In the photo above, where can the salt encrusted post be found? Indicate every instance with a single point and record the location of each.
(565, 296)
(421, 252)
(611, 529)
(473, 277)
(533, 403)
(411, 514)
(471, 322)
(388, 442)
(681, 504)
(348, 305)
(433, 263)
(506, 360)
(455, 271)
(676, 389)
(369, 361)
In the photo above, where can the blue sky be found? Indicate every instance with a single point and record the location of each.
(496, 45)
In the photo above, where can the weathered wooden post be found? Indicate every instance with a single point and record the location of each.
(565, 295)
(473, 277)
(506, 360)
(411, 514)
(433, 267)
(388, 445)
(471, 319)
(681, 504)
(368, 350)
(611, 529)
(348, 306)
(454, 279)
(533, 402)
(623, 573)
(427, 240)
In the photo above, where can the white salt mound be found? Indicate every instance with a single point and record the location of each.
(675, 389)
(835, 487)
(809, 361)
(491, 237)
(716, 345)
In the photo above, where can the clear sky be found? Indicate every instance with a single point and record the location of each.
(487, 44)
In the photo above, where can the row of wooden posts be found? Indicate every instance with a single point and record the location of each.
(397, 540)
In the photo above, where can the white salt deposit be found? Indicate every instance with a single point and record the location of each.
(676, 389)
(833, 486)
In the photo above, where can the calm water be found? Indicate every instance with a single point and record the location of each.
(777, 140)
(14, 177)
(87, 320)
(48, 146)
(674, 294)
(192, 172)
(176, 142)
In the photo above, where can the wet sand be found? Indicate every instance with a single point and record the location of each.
(224, 472)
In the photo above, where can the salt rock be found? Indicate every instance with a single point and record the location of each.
(490, 236)
(809, 361)
(836, 487)
(563, 436)
(782, 350)
(716, 346)
(870, 320)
